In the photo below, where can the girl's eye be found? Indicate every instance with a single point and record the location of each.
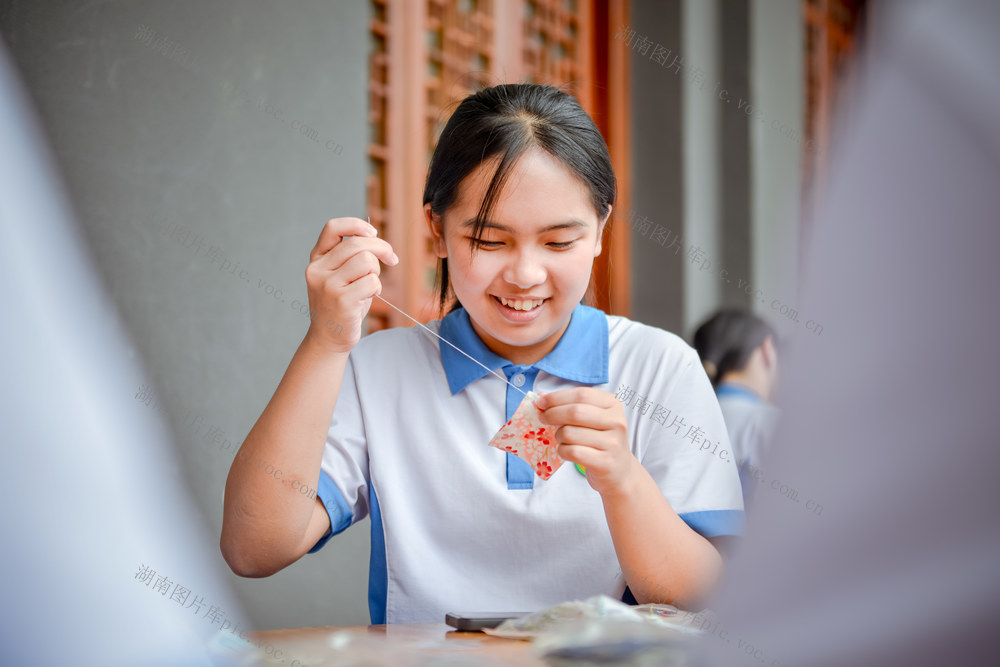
(561, 245)
(483, 243)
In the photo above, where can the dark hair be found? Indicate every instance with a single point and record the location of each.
(506, 121)
(727, 339)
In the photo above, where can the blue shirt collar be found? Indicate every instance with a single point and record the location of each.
(581, 355)
(733, 389)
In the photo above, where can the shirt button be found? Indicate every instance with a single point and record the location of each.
(518, 380)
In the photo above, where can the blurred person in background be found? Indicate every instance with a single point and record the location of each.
(740, 355)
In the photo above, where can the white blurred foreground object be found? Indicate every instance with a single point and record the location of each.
(602, 630)
(891, 415)
(93, 494)
(599, 607)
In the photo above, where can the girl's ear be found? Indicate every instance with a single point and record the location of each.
(601, 224)
(437, 234)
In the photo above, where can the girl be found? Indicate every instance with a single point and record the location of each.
(396, 425)
(740, 354)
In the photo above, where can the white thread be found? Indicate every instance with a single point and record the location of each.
(417, 322)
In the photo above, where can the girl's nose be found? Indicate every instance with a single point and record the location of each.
(525, 270)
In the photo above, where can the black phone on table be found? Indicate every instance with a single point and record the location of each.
(474, 622)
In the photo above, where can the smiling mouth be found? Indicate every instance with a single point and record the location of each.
(520, 304)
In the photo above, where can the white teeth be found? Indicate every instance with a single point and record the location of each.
(520, 305)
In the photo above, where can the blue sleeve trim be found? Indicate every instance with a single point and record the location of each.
(336, 506)
(713, 523)
(378, 574)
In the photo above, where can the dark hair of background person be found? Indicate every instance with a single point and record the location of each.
(505, 121)
(727, 339)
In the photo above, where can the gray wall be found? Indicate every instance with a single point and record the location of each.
(179, 130)
(657, 167)
(712, 159)
(778, 81)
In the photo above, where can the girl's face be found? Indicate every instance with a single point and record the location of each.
(533, 263)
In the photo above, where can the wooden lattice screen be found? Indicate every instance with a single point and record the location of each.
(833, 31)
(427, 55)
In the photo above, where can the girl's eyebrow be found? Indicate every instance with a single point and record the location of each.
(572, 223)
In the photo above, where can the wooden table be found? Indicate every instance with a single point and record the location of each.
(398, 644)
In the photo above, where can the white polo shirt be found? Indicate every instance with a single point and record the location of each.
(751, 424)
(458, 525)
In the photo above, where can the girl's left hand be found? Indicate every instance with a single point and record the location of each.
(591, 430)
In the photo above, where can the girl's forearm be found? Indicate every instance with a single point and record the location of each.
(267, 519)
(662, 558)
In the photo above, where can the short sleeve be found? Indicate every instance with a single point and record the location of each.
(344, 476)
(684, 445)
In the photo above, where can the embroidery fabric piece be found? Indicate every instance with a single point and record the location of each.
(528, 438)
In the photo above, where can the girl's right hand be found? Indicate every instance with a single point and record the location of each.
(342, 278)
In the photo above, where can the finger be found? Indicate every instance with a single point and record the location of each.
(588, 457)
(335, 229)
(349, 247)
(364, 288)
(580, 414)
(354, 299)
(583, 437)
(575, 395)
(355, 267)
